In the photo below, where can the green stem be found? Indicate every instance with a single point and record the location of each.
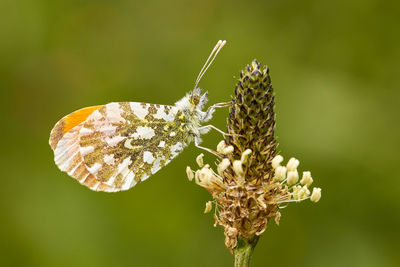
(244, 250)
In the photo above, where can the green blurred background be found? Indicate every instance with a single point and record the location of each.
(334, 67)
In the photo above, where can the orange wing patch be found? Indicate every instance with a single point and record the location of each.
(64, 125)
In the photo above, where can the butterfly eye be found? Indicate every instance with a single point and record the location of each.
(195, 99)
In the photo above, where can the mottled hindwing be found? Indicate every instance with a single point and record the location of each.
(64, 140)
(122, 144)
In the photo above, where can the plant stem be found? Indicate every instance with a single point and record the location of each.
(243, 251)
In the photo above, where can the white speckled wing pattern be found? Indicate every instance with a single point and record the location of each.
(124, 143)
(68, 158)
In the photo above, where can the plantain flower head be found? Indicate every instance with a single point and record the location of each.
(251, 184)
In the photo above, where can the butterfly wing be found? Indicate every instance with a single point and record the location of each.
(64, 140)
(67, 123)
(121, 144)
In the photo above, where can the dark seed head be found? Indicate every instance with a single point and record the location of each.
(254, 107)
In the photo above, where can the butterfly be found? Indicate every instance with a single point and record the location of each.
(115, 146)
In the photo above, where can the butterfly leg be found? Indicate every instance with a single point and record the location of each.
(209, 151)
(196, 143)
(208, 114)
(221, 105)
(207, 128)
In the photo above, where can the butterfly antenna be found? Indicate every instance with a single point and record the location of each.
(209, 60)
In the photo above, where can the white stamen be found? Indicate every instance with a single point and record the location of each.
(245, 155)
(280, 173)
(189, 173)
(292, 164)
(221, 146)
(237, 167)
(223, 165)
(276, 161)
(316, 194)
(208, 207)
(306, 179)
(292, 177)
(228, 150)
(304, 192)
(199, 160)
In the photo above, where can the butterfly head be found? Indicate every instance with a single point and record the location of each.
(197, 99)
(193, 102)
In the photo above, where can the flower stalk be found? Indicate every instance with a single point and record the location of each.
(243, 252)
